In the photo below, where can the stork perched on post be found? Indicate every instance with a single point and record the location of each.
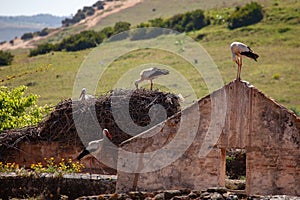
(83, 96)
(150, 74)
(238, 50)
(96, 145)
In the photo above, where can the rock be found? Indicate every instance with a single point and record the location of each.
(184, 197)
(169, 194)
(205, 195)
(160, 196)
(138, 195)
(194, 194)
(230, 196)
(235, 184)
(216, 196)
(220, 190)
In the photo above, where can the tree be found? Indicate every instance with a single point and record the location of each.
(18, 110)
(5, 58)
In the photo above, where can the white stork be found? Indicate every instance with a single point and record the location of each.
(83, 96)
(150, 74)
(96, 145)
(238, 50)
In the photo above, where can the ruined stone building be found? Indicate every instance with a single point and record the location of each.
(188, 150)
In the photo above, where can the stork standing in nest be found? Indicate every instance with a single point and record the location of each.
(150, 74)
(238, 50)
(84, 97)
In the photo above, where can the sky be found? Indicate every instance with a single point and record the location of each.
(32, 7)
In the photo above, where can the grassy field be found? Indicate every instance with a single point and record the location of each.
(275, 39)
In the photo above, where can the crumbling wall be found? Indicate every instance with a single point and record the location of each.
(268, 132)
(73, 124)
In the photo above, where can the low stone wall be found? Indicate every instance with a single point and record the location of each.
(48, 186)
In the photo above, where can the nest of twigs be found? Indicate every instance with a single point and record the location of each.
(82, 121)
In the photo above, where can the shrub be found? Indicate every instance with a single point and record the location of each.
(107, 32)
(276, 76)
(5, 58)
(42, 49)
(44, 32)
(18, 110)
(186, 22)
(81, 41)
(247, 15)
(27, 36)
(121, 27)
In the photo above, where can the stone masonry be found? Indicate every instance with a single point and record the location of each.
(188, 150)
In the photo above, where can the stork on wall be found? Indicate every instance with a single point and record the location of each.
(150, 74)
(96, 145)
(238, 50)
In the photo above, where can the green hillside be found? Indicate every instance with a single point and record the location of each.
(275, 39)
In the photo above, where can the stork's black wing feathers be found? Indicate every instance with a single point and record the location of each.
(250, 54)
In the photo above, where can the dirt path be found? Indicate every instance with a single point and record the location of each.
(109, 8)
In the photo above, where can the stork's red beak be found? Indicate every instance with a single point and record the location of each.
(107, 133)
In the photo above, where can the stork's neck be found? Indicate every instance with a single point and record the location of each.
(233, 57)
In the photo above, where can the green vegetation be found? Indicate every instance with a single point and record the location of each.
(275, 38)
(18, 110)
(63, 167)
(247, 15)
(5, 58)
(189, 21)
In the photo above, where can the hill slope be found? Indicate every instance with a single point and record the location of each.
(16, 26)
(275, 39)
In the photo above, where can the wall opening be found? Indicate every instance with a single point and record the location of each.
(235, 178)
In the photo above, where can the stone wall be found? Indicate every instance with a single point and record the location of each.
(47, 186)
(29, 152)
(236, 116)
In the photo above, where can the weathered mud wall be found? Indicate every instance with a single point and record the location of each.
(236, 116)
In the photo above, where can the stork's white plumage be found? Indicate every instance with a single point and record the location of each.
(238, 50)
(96, 145)
(150, 74)
(83, 96)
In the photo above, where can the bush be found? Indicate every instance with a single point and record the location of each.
(121, 27)
(186, 22)
(107, 32)
(42, 49)
(27, 36)
(44, 32)
(18, 110)
(5, 58)
(81, 41)
(247, 15)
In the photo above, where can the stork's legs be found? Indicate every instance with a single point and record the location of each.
(239, 62)
(151, 84)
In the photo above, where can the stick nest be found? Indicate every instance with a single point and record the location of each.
(78, 122)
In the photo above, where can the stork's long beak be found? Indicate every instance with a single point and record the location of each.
(83, 153)
(81, 95)
(107, 133)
